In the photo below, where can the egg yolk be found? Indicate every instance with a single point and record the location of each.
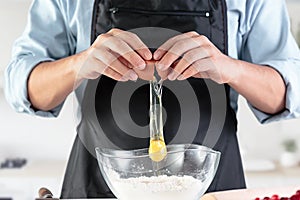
(157, 150)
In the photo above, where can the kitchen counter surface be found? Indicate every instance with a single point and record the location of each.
(24, 183)
(36, 169)
(278, 177)
(49, 174)
(246, 194)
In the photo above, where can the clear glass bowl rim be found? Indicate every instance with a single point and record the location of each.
(171, 149)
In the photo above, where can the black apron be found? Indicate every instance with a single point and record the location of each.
(115, 114)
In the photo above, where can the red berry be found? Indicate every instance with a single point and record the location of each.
(257, 198)
(275, 197)
(284, 198)
(298, 192)
(266, 198)
(293, 197)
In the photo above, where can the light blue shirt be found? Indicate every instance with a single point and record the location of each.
(258, 32)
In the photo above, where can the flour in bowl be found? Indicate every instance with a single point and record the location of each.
(158, 188)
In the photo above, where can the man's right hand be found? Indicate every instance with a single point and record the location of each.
(117, 54)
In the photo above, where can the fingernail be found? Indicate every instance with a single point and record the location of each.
(142, 66)
(148, 55)
(172, 75)
(161, 67)
(133, 76)
(156, 55)
(123, 79)
(181, 78)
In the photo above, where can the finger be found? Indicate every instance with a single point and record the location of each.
(189, 72)
(123, 60)
(188, 58)
(178, 49)
(109, 59)
(164, 74)
(124, 69)
(134, 42)
(102, 68)
(200, 66)
(201, 75)
(158, 54)
(147, 73)
(114, 75)
(123, 49)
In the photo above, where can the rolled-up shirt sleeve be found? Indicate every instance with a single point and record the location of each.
(46, 38)
(269, 42)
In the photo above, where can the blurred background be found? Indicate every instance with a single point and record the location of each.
(34, 151)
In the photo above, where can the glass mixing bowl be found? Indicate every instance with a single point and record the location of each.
(185, 173)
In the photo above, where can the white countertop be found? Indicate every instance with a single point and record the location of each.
(26, 182)
(278, 177)
(33, 169)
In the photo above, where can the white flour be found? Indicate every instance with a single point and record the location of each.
(158, 188)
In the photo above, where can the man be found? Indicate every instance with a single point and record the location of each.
(242, 46)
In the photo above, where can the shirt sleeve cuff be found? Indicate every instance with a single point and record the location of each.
(288, 69)
(17, 93)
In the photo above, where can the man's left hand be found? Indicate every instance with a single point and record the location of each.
(193, 55)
